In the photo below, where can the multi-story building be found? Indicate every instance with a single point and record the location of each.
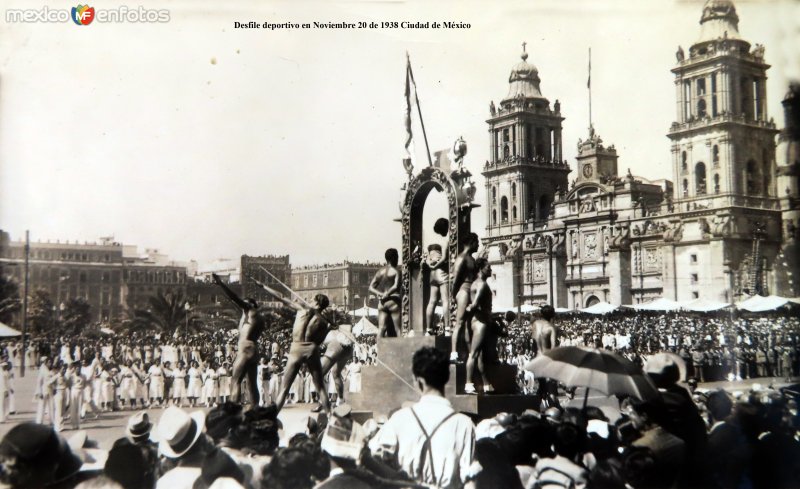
(111, 277)
(628, 239)
(346, 284)
(253, 267)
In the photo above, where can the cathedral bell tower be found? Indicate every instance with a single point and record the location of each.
(723, 144)
(526, 169)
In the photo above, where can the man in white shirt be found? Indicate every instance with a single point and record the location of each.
(430, 441)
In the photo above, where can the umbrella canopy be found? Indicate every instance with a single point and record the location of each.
(595, 369)
(6, 331)
(759, 303)
(600, 308)
(660, 304)
(705, 305)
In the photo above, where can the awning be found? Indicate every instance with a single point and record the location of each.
(660, 304)
(7, 331)
(759, 303)
(364, 311)
(705, 305)
(600, 308)
(365, 328)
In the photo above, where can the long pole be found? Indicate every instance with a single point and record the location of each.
(25, 305)
(419, 111)
(589, 86)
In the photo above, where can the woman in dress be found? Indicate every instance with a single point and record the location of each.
(355, 376)
(195, 383)
(127, 387)
(224, 381)
(156, 376)
(139, 387)
(179, 384)
(210, 389)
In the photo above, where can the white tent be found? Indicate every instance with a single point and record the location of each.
(364, 328)
(759, 303)
(660, 304)
(364, 311)
(526, 308)
(704, 305)
(562, 310)
(600, 308)
(6, 331)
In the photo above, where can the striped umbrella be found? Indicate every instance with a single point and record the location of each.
(596, 369)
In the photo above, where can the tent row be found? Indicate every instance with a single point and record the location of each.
(755, 303)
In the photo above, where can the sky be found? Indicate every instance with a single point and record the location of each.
(206, 141)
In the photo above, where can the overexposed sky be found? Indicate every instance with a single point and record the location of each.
(207, 141)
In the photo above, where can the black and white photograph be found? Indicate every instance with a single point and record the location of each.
(400, 244)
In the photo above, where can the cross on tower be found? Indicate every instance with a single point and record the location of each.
(523, 46)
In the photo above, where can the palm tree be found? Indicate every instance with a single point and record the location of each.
(166, 312)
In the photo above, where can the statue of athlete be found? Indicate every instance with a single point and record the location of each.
(309, 331)
(386, 286)
(464, 274)
(480, 308)
(439, 280)
(251, 325)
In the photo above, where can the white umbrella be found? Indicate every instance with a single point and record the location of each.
(6, 331)
(365, 328)
(600, 308)
(660, 304)
(705, 305)
(759, 303)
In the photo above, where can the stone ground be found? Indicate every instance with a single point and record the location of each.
(111, 425)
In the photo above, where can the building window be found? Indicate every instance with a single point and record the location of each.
(305, 280)
(757, 99)
(751, 179)
(105, 277)
(695, 295)
(701, 107)
(82, 277)
(504, 210)
(716, 183)
(701, 87)
(687, 100)
(356, 279)
(715, 155)
(685, 186)
(513, 191)
(494, 195)
(324, 279)
(494, 217)
(514, 213)
(544, 207)
(506, 137)
(684, 163)
(693, 259)
(714, 109)
(694, 278)
(700, 178)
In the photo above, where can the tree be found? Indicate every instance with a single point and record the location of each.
(9, 299)
(75, 316)
(166, 312)
(40, 311)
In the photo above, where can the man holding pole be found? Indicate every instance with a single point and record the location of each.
(251, 325)
(308, 332)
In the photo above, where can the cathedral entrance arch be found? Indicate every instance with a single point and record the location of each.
(591, 300)
(459, 191)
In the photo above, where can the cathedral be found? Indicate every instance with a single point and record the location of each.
(723, 228)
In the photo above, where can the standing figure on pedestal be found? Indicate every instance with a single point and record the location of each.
(386, 286)
(480, 308)
(464, 274)
(439, 282)
(545, 334)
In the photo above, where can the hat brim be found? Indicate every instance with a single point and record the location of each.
(200, 420)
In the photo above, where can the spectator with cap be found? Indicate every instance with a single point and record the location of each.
(35, 456)
(138, 429)
(130, 466)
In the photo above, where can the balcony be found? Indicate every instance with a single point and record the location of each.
(703, 122)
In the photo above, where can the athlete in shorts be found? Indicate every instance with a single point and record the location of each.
(386, 286)
(480, 308)
(309, 331)
(545, 334)
(439, 282)
(339, 346)
(464, 273)
(251, 325)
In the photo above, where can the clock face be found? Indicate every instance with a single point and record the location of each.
(587, 171)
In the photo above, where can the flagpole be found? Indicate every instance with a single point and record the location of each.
(419, 111)
(589, 86)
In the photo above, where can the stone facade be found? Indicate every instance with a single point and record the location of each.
(346, 284)
(626, 239)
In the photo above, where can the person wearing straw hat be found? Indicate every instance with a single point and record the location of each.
(138, 428)
(182, 439)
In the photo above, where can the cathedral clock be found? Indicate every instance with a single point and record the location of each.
(587, 171)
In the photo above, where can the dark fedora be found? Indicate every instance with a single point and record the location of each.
(34, 455)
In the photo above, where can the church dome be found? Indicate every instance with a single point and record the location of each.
(523, 80)
(719, 21)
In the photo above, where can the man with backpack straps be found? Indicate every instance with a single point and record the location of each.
(430, 441)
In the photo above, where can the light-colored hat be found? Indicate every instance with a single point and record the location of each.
(179, 431)
(139, 426)
(343, 438)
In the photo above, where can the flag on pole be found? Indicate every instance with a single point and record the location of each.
(409, 94)
(589, 81)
